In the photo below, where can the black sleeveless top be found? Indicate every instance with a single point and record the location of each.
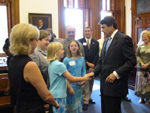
(24, 95)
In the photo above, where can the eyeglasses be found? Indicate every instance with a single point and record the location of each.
(69, 32)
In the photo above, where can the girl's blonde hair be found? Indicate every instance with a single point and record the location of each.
(78, 52)
(52, 49)
(20, 36)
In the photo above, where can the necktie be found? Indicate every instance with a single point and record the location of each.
(108, 44)
(88, 43)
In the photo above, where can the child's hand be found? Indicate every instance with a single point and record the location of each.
(71, 91)
(90, 76)
(57, 105)
(82, 82)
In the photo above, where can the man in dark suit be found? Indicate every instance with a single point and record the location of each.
(91, 50)
(114, 64)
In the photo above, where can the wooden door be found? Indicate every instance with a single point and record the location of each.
(140, 18)
(142, 22)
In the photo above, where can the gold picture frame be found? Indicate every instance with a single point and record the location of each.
(35, 18)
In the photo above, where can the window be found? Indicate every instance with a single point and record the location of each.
(3, 26)
(74, 17)
(105, 11)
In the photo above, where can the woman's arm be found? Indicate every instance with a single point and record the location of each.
(33, 75)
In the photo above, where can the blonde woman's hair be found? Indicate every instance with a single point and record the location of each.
(52, 49)
(20, 36)
(43, 34)
(69, 52)
(140, 42)
(147, 33)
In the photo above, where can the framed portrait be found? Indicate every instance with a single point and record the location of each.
(42, 21)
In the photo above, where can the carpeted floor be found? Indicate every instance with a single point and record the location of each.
(127, 107)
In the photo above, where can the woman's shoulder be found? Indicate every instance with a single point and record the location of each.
(31, 65)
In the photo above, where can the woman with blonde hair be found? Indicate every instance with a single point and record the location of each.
(58, 74)
(140, 42)
(30, 92)
(142, 86)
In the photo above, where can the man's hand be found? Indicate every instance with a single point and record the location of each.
(91, 65)
(91, 70)
(110, 78)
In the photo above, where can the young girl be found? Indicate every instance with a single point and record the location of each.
(58, 73)
(76, 66)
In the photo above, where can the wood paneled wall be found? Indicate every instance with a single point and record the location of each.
(15, 17)
(141, 21)
(94, 7)
(118, 8)
(61, 19)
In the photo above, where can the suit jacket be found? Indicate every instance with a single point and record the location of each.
(42, 28)
(120, 58)
(92, 54)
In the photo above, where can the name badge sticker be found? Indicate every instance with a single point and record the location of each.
(72, 63)
(84, 43)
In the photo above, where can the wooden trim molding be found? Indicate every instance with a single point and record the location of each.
(61, 19)
(15, 12)
(118, 8)
(94, 7)
(4, 1)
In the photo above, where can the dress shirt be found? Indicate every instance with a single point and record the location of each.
(88, 39)
(88, 42)
(112, 36)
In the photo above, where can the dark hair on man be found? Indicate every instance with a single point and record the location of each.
(109, 20)
(88, 27)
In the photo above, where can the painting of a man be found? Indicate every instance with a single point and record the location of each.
(41, 25)
(42, 21)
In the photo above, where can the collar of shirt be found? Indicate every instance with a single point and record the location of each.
(40, 26)
(44, 52)
(113, 34)
(88, 39)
